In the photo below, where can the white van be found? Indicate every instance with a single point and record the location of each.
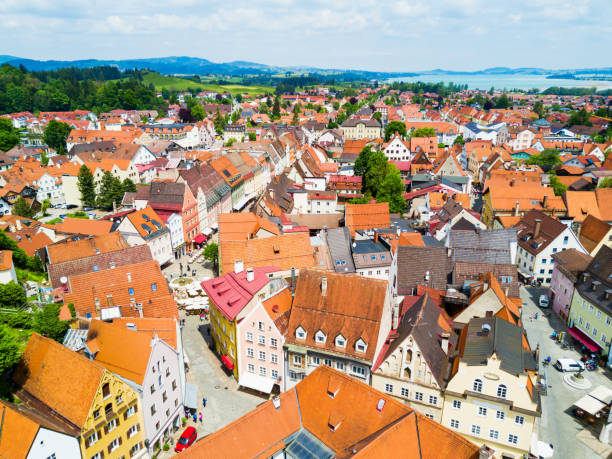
(543, 301)
(568, 365)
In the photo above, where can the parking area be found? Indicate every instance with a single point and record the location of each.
(557, 425)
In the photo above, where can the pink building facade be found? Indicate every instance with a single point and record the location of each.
(560, 293)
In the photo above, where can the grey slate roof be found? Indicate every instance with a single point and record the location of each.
(167, 192)
(504, 339)
(599, 273)
(367, 253)
(488, 246)
(415, 264)
(468, 271)
(339, 244)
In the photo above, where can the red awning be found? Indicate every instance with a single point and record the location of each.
(584, 339)
(199, 239)
(227, 362)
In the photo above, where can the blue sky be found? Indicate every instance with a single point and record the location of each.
(380, 35)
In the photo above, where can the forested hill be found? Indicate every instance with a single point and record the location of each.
(94, 89)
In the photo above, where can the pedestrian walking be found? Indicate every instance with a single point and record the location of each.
(204, 402)
(195, 417)
(200, 417)
(201, 317)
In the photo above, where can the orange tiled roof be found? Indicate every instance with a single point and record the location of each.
(284, 251)
(6, 260)
(72, 250)
(367, 216)
(243, 225)
(165, 329)
(72, 225)
(143, 218)
(60, 378)
(604, 201)
(580, 204)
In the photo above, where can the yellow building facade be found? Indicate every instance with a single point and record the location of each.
(114, 427)
(223, 332)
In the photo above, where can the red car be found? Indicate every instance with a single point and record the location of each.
(187, 439)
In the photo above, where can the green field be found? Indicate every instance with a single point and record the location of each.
(172, 83)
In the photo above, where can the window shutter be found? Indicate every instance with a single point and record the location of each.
(101, 454)
(125, 415)
(136, 408)
(106, 429)
(87, 442)
(138, 427)
(117, 421)
(120, 441)
(109, 448)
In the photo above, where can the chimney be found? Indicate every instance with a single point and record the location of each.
(516, 209)
(276, 401)
(444, 340)
(545, 201)
(506, 290)
(512, 182)
(238, 266)
(324, 286)
(18, 224)
(375, 236)
(608, 294)
(250, 273)
(449, 252)
(395, 313)
(538, 225)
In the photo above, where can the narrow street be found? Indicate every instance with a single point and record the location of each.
(557, 425)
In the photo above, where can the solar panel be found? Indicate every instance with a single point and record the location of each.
(306, 446)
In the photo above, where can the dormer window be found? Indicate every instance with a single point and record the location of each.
(360, 345)
(320, 337)
(340, 341)
(300, 333)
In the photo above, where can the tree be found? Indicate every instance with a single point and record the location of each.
(488, 105)
(87, 186)
(558, 187)
(424, 132)
(295, 120)
(581, 118)
(459, 140)
(362, 200)
(45, 205)
(276, 113)
(9, 137)
(377, 116)
(341, 117)
(231, 141)
(376, 171)
(47, 323)
(197, 112)
(252, 136)
(547, 160)
(393, 127)
(129, 186)
(111, 191)
(12, 296)
(55, 136)
(211, 253)
(392, 190)
(185, 115)
(23, 209)
(44, 159)
(538, 108)
(219, 122)
(9, 351)
(502, 101)
(605, 182)
(361, 163)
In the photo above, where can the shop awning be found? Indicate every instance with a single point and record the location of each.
(199, 239)
(191, 396)
(590, 405)
(227, 362)
(584, 339)
(603, 394)
(256, 382)
(207, 231)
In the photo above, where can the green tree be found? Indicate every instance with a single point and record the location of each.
(9, 351)
(276, 113)
(605, 182)
(231, 141)
(22, 208)
(211, 253)
(55, 135)
(12, 296)
(459, 140)
(392, 190)
(44, 159)
(393, 127)
(9, 137)
(361, 163)
(558, 187)
(424, 132)
(252, 136)
(111, 191)
(377, 116)
(538, 108)
(362, 200)
(219, 122)
(341, 117)
(502, 101)
(128, 186)
(581, 118)
(197, 112)
(547, 159)
(47, 323)
(295, 120)
(87, 186)
(376, 171)
(45, 205)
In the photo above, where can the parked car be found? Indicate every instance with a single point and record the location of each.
(568, 365)
(188, 437)
(544, 303)
(87, 208)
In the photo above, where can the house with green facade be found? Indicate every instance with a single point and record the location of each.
(590, 317)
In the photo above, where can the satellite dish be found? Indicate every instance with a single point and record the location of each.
(63, 279)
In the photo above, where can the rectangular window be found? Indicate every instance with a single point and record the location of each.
(153, 410)
(500, 415)
(113, 445)
(274, 358)
(249, 337)
(260, 326)
(389, 388)
(512, 439)
(131, 291)
(314, 360)
(297, 359)
(418, 396)
(327, 362)
(494, 434)
(261, 339)
(433, 400)
(262, 371)
(475, 429)
(356, 369)
(112, 425)
(519, 420)
(154, 287)
(250, 352)
(132, 431)
(482, 411)
(262, 355)
(91, 439)
(340, 366)
(457, 404)
(273, 343)
(404, 392)
(454, 424)
(251, 368)
(275, 374)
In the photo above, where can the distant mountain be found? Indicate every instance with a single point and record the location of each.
(184, 65)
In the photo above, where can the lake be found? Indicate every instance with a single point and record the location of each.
(505, 81)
